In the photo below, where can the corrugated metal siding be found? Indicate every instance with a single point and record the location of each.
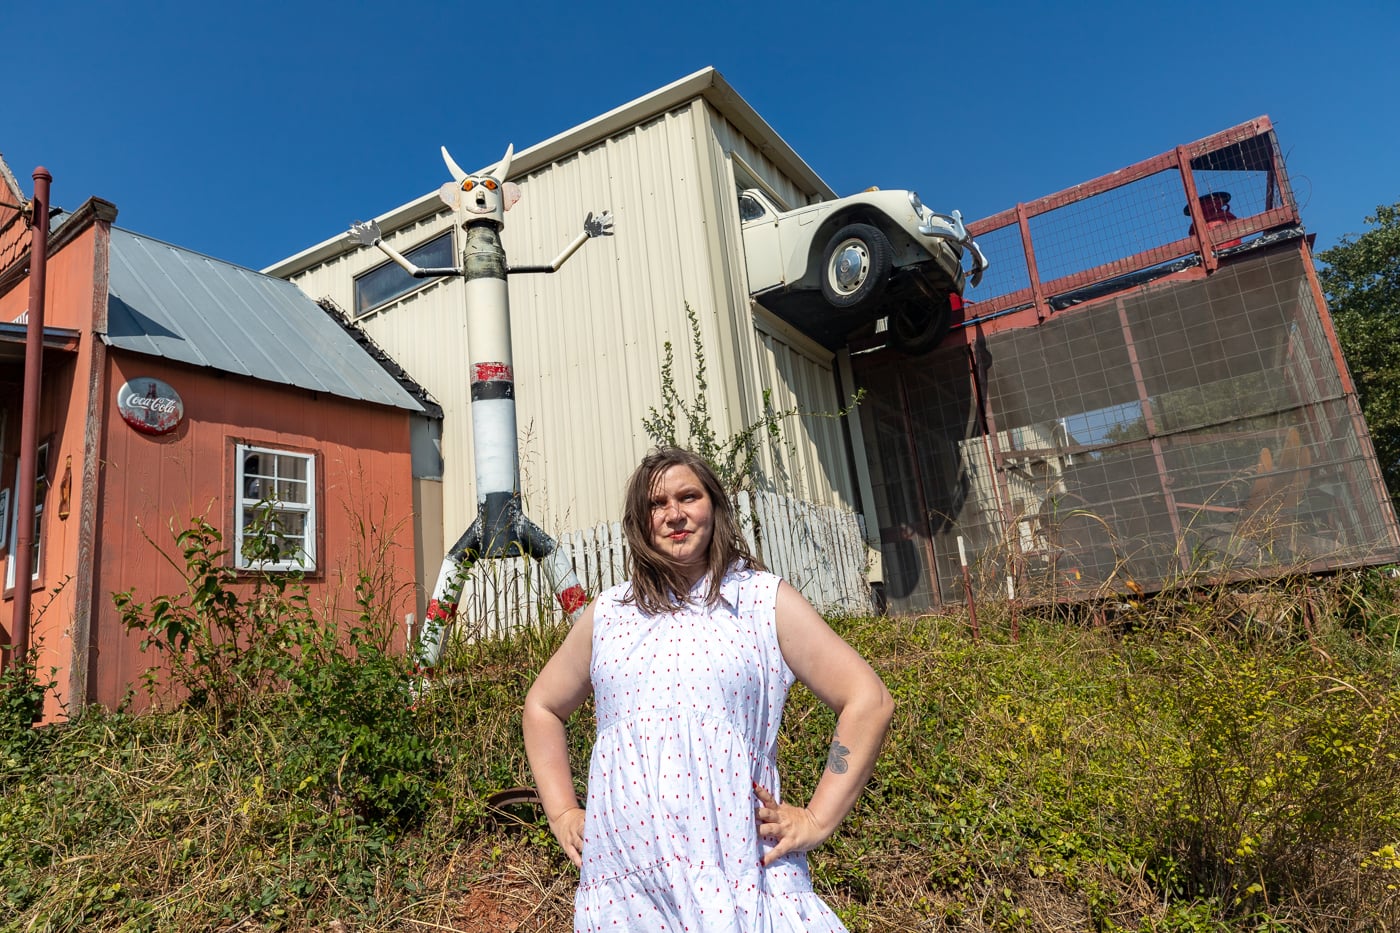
(793, 370)
(174, 303)
(813, 448)
(732, 140)
(588, 339)
(603, 325)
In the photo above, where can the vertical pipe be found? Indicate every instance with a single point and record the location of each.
(29, 416)
(925, 525)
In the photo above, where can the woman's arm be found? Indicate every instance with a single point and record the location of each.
(560, 688)
(842, 680)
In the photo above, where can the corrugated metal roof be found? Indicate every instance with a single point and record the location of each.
(181, 305)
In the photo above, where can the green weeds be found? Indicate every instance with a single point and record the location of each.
(1217, 761)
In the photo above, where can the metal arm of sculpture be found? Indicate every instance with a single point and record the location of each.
(366, 233)
(500, 528)
(592, 226)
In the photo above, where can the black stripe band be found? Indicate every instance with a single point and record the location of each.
(492, 389)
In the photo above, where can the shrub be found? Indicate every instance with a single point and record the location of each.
(1219, 762)
(332, 697)
(1283, 782)
(22, 693)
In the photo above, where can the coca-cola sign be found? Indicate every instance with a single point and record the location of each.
(150, 406)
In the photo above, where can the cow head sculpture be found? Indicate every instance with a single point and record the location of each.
(483, 196)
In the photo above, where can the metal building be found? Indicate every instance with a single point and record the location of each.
(589, 339)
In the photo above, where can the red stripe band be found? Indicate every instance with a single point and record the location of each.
(573, 599)
(492, 372)
(440, 610)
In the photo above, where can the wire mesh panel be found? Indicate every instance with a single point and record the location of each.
(1138, 222)
(917, 419)
(1239, 178)
(1007, 273)
(1110, 227)
(1185, 428)
(1143, 390)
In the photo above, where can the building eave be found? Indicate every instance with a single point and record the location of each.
(707, 83)
(91, 211)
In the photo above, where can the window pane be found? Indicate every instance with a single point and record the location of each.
(292, 485)
(286, 529)
(291, 525)
(291, 467)
(750, 208)
(291, 536)
(389, 281)
(254, 480)
(292, 491)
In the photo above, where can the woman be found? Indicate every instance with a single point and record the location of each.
(686, 828)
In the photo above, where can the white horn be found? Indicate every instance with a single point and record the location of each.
(453, 167)
(503, 168)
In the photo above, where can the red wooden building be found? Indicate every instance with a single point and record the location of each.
(176, 385)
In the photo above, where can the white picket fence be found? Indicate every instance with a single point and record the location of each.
(819, 549)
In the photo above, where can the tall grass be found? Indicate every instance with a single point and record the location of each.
(1222, 759)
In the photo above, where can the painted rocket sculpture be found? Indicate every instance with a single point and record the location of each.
(500, 528)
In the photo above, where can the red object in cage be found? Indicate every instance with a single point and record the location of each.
(1215, 209)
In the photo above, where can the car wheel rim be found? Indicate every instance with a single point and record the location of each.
(850, 265)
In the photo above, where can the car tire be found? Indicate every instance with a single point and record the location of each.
(855, 266)
(918, 326)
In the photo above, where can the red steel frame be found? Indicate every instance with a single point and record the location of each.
(1029, 306)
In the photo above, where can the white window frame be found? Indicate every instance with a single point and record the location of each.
(246, 497)
(40, 479)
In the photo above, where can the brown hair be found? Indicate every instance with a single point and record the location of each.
(658, 585)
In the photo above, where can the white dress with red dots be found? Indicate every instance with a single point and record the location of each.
(688, 708)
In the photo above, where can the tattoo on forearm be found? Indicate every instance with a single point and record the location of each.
(836, 758)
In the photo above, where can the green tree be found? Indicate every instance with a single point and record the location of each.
(1361, 278)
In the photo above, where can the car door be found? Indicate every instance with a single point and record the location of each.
(762, 254)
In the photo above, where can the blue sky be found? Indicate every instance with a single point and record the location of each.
(252, 130)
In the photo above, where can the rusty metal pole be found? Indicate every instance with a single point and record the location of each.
(29, 416)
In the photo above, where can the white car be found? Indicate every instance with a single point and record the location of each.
(834, 267)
